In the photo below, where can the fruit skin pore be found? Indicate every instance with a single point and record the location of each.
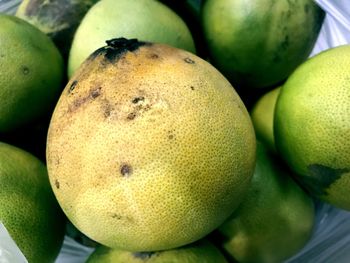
(312, 125)
(257, 44)
(149, 141)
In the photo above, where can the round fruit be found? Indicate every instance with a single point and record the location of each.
(312, 125)
(151, 142)
(257, 44)
(202, 251)
(262, 116)
(146, 20)
(28, 207)
(58, 19)
(274, 221)
(31, 72)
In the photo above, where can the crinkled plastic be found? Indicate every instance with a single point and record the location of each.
(9, 252)
(330, 241)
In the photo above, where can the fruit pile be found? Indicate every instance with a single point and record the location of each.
(170, 131)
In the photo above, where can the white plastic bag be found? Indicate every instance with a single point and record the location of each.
(9, 252)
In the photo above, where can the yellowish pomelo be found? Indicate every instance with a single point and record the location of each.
(146, 20)
(276, 218)
(28, 207)
(201, 251)
(149, 147)
(312, 125)
(31, 73)
(262, 115)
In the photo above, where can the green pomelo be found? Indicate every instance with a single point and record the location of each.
(146, 20)
(31, 73)
(28, 207)
(312, 125)
(274, 221)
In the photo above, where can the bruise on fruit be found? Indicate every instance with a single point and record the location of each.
(57, 184)
(116, 48)
(189, 60)
(125, 170)
(321, 177)
(143, 255)
(107, 108)
(93, 94)
(140, 105)
(131, 116)
(25, 70)
(72, 86)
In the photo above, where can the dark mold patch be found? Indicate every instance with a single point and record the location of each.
(72, 86)
(93, 94)
(125, 170)
(138, 99)
(321, 177)
(116, 48)
(143, 255)
(57, 184)
(189, 60)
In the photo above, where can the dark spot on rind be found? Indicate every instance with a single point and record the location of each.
(95, 93)
(116, 216)
(25, 70)
(171, 136)
(138, 99)
(125, 170)
(192, 88)
(72, 86)
(189, 60)
(57, 184)
(143, 255)
(116, 48)
(306, 8)
(154, 56)
(131, 116)
(321, 177)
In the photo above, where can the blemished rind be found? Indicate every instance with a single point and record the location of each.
(258, 44)
(58, 19)
(145, 148)
(29, 210)
(201, 251)
(312, 125)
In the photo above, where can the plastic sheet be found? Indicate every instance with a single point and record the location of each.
(9, 252)
(330, 241)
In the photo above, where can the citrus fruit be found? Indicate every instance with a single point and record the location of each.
(151, 142)
(312, 125)
(276, 218)
(262, 115)
(257, 44)
(31, 72)
(201, 251)
(146, 20)
(28, 209)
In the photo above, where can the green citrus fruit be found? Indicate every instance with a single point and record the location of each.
(257, 44)
(262, 115)
(28, 207)
(312, 125)
(146, 20)
(199, 252)
(274, 221)
(31, 72)
(151, 142)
